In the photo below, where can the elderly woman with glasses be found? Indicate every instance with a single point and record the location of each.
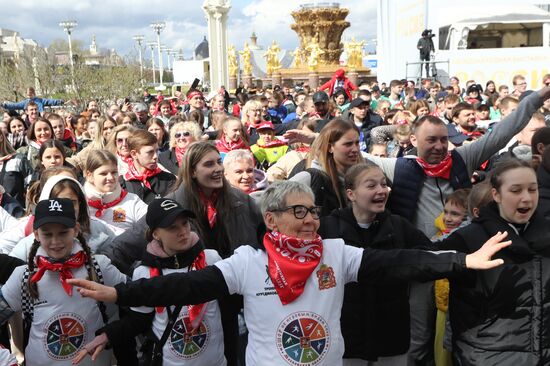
(182, 134)
(293, 283)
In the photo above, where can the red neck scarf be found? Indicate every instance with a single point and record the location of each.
(133, 174)
(302, 149)
(210, 203)
(101, 207)
(179, 154)
(290, 263)
(223, 146)
(75, 261)
(273, 143)
(128, 159)
(473, 134)
(196, 312)
(440, 170)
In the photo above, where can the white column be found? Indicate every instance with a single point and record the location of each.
(216, 13)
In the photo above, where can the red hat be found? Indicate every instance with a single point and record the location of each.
(263, 125)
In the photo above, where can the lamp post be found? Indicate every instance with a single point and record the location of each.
(168, 52)
(158, 27)
(152, 45)
(68, 26)
(139, 39)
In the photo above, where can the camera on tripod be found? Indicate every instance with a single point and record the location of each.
(428, 33)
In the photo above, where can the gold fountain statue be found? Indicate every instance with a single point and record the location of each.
(232, 61)
(246, 59)
(272, 58)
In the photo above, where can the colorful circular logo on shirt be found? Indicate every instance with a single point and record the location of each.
(303, 339)
(186, 342)
(65, 335)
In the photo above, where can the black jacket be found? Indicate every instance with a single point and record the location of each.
(375, 318)
(543, 178)
(169, 161)
(161, 184)
(501, 316)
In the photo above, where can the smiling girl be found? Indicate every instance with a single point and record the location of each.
(108, 202)
(57, 321)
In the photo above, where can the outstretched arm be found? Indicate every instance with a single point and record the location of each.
(195, 287)
(383, 266)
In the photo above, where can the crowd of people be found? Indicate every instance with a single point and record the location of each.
(366, 224)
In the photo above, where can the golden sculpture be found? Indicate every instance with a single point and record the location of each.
(329, 22)
(299, 57)
(315, 53)
(232, 61)
(246, 59)
(272, 58)
(354, 50)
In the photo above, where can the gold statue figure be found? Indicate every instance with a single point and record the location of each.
(246, 59)
(315, 52)
(272, 58)
(232, 61)
(299, 56)
(354, 49)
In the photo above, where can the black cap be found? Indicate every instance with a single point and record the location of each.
(357, 102)
(375, 88)
(162, 213)
(320, 97)
(455, 136)
(54, 211)
(474, 88)
(440, 96)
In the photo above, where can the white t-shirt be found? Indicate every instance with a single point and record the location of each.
(305, 332)
(125, 215)
(62, 324)
(183, 347)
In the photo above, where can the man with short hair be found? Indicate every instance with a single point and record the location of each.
(31, 113)
(395, 98)
(503, 91)
(520, 85)
(142, 113)
(464, 121)
(364, 119)
(420, 185)
(450, 101)
(31, 97)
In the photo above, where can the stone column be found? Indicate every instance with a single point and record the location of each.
(353, 76)
(276, 78)
(216, 14)
(313, 79)
(247, 80)
(232, 83)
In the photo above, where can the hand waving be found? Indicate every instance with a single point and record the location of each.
(481, 259)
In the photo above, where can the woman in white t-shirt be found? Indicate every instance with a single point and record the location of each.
(118, 208)
(186, 335)
(57, 321)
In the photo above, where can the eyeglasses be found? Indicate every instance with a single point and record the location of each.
(121, 140)
(300, 211)
(179, 135)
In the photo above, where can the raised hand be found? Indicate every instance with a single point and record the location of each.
(94, 290)
(481, 259)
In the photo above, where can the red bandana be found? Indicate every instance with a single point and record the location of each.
(179, 154)
(196, 312)
(133, 174)
(75, 261)
(210, 204)
(440, 170)
(127, 159)
(290, 263)
(474, 134)
(303, 149)
(225, 147)
(273, 143)
(101, 207)
(194, 94)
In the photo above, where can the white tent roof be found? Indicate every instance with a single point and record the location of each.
(481, 14)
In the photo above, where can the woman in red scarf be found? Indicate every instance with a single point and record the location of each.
(118, 145)
(293, 285)
(182, 134)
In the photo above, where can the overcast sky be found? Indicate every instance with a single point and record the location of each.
(115, 22)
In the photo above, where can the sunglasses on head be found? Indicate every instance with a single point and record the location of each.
(179, 135)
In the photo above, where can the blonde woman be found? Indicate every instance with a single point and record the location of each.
(182, 134)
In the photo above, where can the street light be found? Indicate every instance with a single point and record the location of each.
(168, 52)
(174, 53)
(152, 45)
(158, 27)
(68, 26)
(139, 39)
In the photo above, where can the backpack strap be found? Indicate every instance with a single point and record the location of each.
(158, 344)
(100, 304)
(27, 306)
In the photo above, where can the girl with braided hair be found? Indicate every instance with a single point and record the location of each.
(57, 321)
